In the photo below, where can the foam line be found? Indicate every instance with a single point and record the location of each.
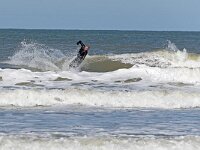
(150, 99)
(87, 143)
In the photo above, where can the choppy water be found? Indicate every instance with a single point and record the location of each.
(135, 90)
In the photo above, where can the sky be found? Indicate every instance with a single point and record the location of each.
(154, 15)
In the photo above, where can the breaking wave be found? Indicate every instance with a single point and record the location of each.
(36, 56)
(47, 69)
(145, 75)
(166, 99)
(39, 57)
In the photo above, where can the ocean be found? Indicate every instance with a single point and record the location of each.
(135, 90)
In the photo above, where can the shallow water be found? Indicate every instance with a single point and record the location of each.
(78, 121)
(78, 127)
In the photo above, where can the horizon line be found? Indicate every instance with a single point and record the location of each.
(139, 30)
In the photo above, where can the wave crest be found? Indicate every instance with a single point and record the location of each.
(36, 56)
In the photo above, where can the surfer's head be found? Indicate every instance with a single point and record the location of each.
(86, 48)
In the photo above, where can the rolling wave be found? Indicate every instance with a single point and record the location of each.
(49, 68)
(167, 99)
(38, 57)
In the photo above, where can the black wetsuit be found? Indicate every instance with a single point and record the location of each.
(82, 53)
(80, 56)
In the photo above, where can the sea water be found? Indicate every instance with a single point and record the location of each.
(135, 90)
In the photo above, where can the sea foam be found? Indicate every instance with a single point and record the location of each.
(151, 99)
(87, 143)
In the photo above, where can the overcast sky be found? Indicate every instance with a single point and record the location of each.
(161, 15)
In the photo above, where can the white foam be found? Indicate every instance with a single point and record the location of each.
(11, 77)
(150, 99)
(184, 75)
(37, 56)
(99, 143)
(171, 56)
(150, 74)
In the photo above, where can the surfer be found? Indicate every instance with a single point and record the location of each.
(83, 50)
(80, 56)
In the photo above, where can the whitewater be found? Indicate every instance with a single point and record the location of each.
(163, 79)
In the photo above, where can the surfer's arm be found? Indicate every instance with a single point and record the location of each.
(80, 42)
(82, 45)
